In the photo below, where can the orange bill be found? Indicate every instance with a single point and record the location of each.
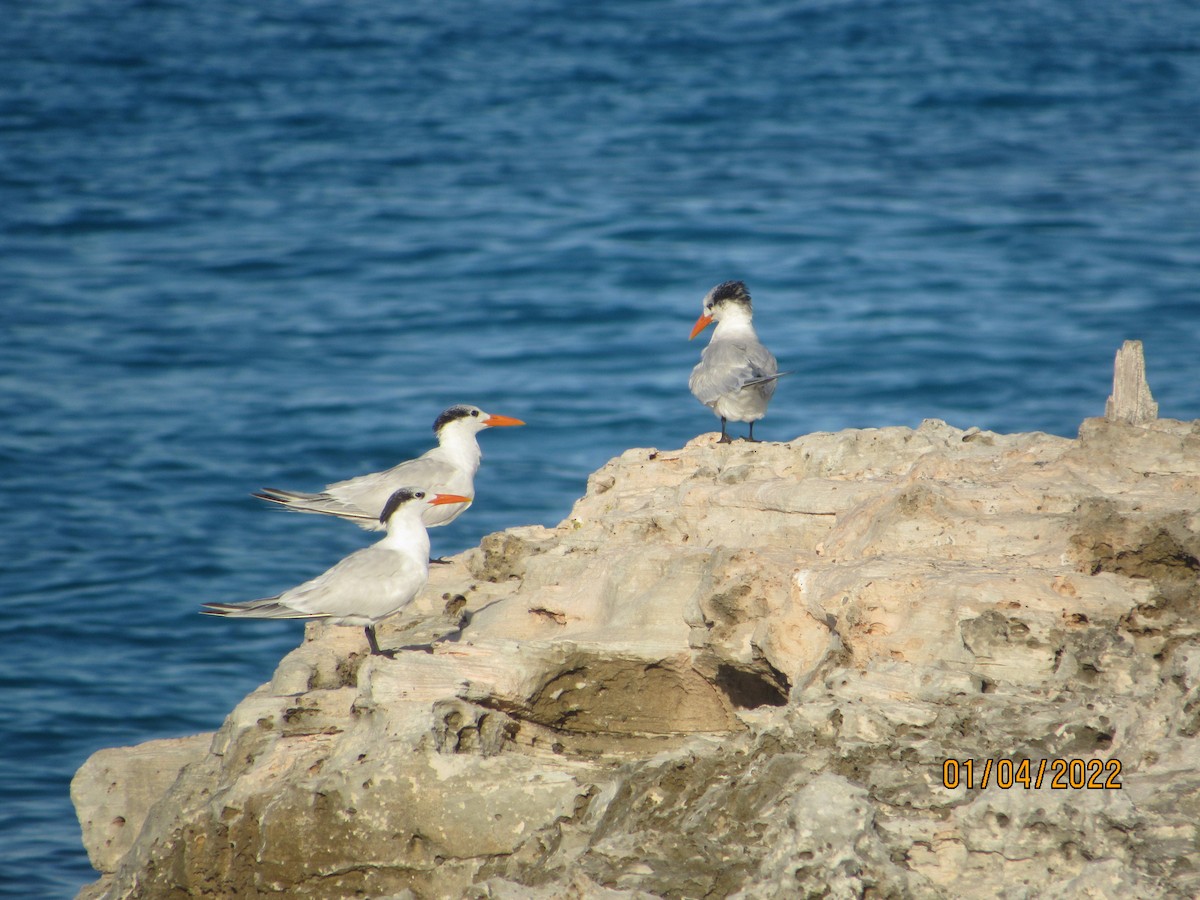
(701, 323)
(439, 499)
(493, 421)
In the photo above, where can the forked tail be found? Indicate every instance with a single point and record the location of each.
(764, 379)
(268, 608)
(319, 504)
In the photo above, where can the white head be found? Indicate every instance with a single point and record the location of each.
(465, 419)
(728, 300)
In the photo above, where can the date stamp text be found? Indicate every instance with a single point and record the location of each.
(1057, 774)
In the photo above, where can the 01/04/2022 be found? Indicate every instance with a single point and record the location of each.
(1065, 774)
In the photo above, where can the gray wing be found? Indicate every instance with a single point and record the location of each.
(371, 582)
(369, 493)
(728, 366)
(360, 500)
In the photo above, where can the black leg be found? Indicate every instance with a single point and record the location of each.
(724, 435)
(751, 438)
(375, 651)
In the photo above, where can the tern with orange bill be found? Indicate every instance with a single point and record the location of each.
(368, 585)
(449, 467)
(736, 375)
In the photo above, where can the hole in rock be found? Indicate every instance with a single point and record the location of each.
(750, 690)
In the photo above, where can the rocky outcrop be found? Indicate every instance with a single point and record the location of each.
(747, 670)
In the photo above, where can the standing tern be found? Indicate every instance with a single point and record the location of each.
(448, 467)
(736, 375)
(369, 584)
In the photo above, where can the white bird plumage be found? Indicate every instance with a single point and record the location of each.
(736, 375)
(369, 584)
(450, 467)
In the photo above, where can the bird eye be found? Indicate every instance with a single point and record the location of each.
(475, 412)
(420, 494)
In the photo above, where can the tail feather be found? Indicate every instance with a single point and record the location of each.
(268, 608)
(767, 378)
(321, 504)
(275, 495)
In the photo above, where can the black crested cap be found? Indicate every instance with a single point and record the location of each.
(460, 411)
(397, 499)
(730, 291)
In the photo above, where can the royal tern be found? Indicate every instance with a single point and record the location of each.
(736, 375)
(449, 467)
(369, 584)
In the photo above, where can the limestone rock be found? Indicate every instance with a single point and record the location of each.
(735, 670)
(117, 788)
(1130, 400)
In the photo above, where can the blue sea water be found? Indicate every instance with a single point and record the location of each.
(249, 244)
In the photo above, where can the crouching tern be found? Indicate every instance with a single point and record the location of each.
(736, 375)
(449, 467)
(368, 585)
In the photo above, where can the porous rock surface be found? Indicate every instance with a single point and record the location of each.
(733, 671)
